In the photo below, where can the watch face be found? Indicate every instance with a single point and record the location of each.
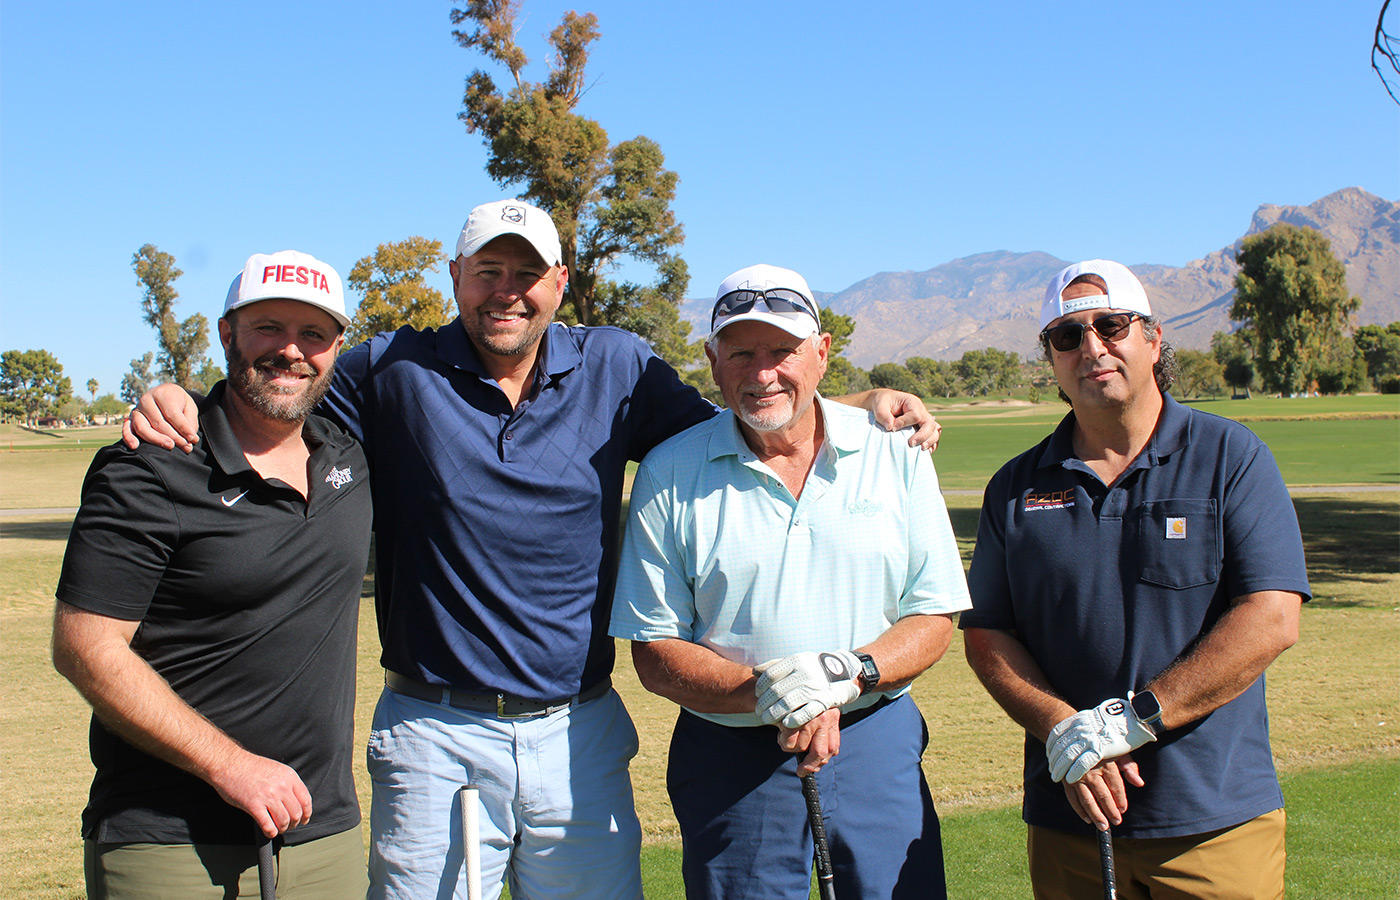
(1146, 707)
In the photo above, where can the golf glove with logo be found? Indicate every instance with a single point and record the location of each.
(1081, 741)
(794, 690)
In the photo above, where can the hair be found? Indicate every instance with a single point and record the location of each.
(231, 316)
(1164, 371)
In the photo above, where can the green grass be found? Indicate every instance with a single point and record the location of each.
(1333, 700)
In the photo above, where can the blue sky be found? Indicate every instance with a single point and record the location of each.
(834, 138)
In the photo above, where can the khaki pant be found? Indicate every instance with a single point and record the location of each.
(1240, 863)
(330, 868)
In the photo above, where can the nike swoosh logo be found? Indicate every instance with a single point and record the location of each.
(228, 502)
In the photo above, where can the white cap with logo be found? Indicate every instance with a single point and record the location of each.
(1125, 292)
(769, 294)
(288, 275)
(491, 220)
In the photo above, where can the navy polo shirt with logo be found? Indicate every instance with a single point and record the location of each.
(496, 528)
(248, 599)
(1107, 586)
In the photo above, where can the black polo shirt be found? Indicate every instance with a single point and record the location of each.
(248, 597)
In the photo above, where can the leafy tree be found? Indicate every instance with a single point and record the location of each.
(1236, 360)
(138, 380)
(32, 384)
(107, 405)
(1292, 293)
(1380, 346)
(609, 202)
(391, 281)
(1198, 375)
(181, 345)
(841, 328)
(893, 375)
(984, 371)
(92, 388)
(208, 375)
(843, 377)
(935, 376)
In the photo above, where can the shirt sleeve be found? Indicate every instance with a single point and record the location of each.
(936, 584)
(663, 404)
(654, 598)
(122, 538)
(1263, 543)
(346, 403)
(987, 578)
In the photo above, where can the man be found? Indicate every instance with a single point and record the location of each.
(499, 444)
(1135, 574)
(790, 563)
(208, 609)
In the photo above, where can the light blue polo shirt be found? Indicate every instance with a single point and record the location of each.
(718, 552)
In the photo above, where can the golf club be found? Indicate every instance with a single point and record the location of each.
(471, 839)
(826, 877)
(267, 872)
(1110, 883)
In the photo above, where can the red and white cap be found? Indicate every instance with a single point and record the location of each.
(1125, 292)
(289, 275)
(491, 220)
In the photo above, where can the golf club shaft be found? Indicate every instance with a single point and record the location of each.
(267, 871)
(1110, 883)
(826, 877)
(471, 840)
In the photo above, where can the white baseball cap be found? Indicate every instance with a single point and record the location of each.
(491, 220)
(288, 275)
(1125, 292)
(769, 294)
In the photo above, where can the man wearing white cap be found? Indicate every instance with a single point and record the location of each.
(500, 444)
(788, 569)
(208, 609)
(1135, 574)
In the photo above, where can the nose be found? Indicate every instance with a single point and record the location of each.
(292, 351)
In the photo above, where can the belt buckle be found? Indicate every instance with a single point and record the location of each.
(502, 713)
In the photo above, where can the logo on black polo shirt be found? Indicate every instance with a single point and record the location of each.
(1052, 500)
(338, 477)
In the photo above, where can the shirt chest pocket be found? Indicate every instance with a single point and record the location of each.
(1179, 543)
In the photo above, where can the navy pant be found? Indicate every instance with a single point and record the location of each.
(743, 820)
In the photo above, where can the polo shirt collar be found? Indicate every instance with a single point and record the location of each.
(558, 354)
(841, 437)
(1173, 433)
(220, 442)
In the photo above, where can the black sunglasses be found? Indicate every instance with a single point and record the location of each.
(1065, 338)
(778, 300)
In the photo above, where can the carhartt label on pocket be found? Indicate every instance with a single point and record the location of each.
(1176, 528)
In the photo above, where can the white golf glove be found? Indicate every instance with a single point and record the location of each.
(794, 690)
(1081, 741)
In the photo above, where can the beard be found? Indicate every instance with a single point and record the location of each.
(772, 418)
(253, 383)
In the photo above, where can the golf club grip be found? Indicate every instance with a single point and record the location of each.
(826, 876)
(267, 872)
(1110, 882)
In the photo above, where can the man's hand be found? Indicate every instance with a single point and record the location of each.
(895, 410)
(273, 794)
(1083, 740)
(796, 689)
(166, 416)
(1101, 796)
(820, 738)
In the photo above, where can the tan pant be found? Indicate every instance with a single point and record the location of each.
(330, 868)
(1240, 863)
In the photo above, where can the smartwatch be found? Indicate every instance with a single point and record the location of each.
(869, 675)
(1147, 709)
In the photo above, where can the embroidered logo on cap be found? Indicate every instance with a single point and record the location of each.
(1176, 528)
(515, 214)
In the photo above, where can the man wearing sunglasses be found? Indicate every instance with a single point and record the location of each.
(788, 569)
(1135, 574)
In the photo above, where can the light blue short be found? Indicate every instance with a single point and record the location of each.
(556, 801)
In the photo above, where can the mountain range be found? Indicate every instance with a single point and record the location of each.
(993, 299)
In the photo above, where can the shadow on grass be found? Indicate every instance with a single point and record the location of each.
(1347, 539)
(37, 531)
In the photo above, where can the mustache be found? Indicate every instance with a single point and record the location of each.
(281, 363)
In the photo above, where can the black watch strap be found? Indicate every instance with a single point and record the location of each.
(869, 672)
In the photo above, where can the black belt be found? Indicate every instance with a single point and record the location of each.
(505, 706)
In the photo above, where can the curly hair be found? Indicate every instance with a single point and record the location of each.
(1164, 371)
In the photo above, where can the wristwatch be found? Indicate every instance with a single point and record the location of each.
(869, 674)
(1147, 709)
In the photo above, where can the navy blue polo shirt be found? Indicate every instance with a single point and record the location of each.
(1106, 586)
(496, 529)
